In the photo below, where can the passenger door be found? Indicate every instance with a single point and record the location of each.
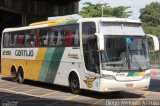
(89, 41)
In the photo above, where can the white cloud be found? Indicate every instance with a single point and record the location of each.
(135, 5)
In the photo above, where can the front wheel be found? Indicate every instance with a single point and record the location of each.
(74, 84)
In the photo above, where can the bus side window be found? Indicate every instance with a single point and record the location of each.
(12, 39)
(45, 41)
(76, 37)
(32, 42)
(71, 37)
(44, 38)
(60, 32)
(51, 38)
(68, 38)
(6, 39)
(55, 38)
(32, 34)
(38, 38)
(59, 39)
(20, 40)
(27, 39)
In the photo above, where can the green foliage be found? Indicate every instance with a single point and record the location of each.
(95, 10)
(154, 56)
(153, 30)
(150, 16)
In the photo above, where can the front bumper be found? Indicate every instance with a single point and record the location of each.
(114, 85)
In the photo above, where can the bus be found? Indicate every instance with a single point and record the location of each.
(97, 54)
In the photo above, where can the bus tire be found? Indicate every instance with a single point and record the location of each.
(116, 92)
(74, 83)
(21, 76)
(14, 74)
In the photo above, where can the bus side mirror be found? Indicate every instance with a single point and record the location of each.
(153, 42)
(100, 39)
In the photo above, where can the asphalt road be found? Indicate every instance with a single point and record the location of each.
(42, 94)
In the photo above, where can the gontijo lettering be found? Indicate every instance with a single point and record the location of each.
(24, 53)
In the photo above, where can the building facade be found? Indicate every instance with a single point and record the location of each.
(14, 13)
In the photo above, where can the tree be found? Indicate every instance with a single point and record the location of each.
(95, 10)
(150, 16)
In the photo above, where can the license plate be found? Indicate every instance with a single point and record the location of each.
(129, 85)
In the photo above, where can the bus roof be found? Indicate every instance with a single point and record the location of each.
(66, 21)
(43, 24)
(110, 19)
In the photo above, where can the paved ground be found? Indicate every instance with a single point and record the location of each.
(41, 94)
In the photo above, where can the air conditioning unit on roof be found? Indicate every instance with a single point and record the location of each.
(73, 16)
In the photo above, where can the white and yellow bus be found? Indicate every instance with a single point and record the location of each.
(98, 54)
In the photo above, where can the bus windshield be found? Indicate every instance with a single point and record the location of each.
(125, 46)
(125, 53)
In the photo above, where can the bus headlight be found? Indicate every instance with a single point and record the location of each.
(109, 77)
(147, 76)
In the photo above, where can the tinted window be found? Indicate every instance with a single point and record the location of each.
(67, 35)
(6, 38)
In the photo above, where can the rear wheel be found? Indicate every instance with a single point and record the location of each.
(14, 74)
(21, 76)
(74, 84)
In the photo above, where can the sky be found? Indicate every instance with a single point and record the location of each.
(135, 5)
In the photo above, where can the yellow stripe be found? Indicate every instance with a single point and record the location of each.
(64, 99)
(34, 66)
(136, 102)
(97, 102)
(141, 73)
(72, 97)
(13, 87)
(50, 93)
(3, 84)
(41, 53)
(32, 90)
(42, 95)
